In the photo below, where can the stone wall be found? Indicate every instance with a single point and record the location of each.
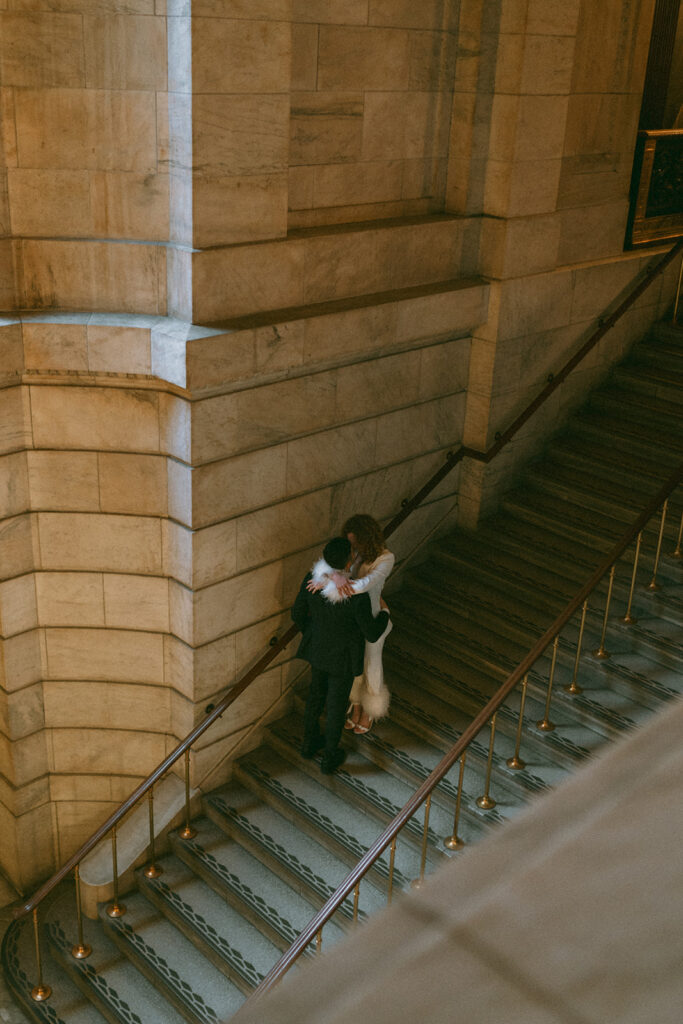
(84, 118)
(156, 520)
(319, 185)
(370, 109)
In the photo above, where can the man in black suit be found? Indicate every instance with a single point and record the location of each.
(335, 628)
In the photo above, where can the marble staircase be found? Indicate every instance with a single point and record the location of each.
(273, 844)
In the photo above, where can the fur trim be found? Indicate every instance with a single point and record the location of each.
(376, 704)
(322, 573)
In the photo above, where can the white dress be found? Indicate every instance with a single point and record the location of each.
(370, 689)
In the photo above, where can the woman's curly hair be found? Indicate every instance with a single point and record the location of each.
(369, 536)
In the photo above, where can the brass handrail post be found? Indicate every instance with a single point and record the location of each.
(115, 909)
(153, 870)
(40, 992)
(81, 950)
(600, 652)
(356, 897)
(454, 842)
(545, 725)
(515, 763)
(425, 832)
(319, 942)
(574, 687)
(677, 549)
(486, 802)
(628, 618)
(653, 585)
(187, 832)
(392, 857)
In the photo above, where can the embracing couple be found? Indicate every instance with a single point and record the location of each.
(344, 622)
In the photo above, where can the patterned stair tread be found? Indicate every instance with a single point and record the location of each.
(395, 741)
(198, 990)
(349, 829)
(592, 710)
(441, 720)
(650, 398)
(629, 427)
(574, 738)
(610, 462)
(651, 394)
(243, 878)
(500, 564)
(67, 1003)
(588, 431)
(468, 638)
(518, 625)
(107, 977)
(589, 490)
(239, 949)
(363, 781)
(619, 639)
(270, 835)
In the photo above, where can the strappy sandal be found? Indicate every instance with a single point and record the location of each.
(349, 723)
(360, 730)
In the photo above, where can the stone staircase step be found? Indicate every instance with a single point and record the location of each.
(610, 463)
(162, 954)
(110, 982)
(230, 942)
(656, 389)
(289, 852)
(343, 828)
(361, 782)
(258, 894)
(637, 431)
(67, 1001)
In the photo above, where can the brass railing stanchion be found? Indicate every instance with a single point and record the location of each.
(40, 992)
(486, 802)
(545, 725)
(454, 842)
(187, 832)
(653, 585)
(81, 950)
(515, 763)
(319, 942)
(392, 857)
(153, 870)
(356, 897)
(115, 909)
(629, 619)
(600, 652)
(425, 832)
(574, 687)
(677, 549)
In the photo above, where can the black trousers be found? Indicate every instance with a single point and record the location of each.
(333, 690)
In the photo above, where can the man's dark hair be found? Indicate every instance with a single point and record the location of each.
(337, 552)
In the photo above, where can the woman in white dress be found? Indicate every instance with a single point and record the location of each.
(369, 698)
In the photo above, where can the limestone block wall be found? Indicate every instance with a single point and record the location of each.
(545, 114)
(370, 108)
(88, 703)
(156, 519)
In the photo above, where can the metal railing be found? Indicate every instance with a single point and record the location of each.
(487, 717)
(41, 991)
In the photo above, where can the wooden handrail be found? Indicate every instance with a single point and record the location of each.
(469, 734)
(452, 460)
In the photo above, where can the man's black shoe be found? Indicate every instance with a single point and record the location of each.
(328, 765)
(309, 750)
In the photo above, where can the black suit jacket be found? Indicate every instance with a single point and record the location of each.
(334, 633)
